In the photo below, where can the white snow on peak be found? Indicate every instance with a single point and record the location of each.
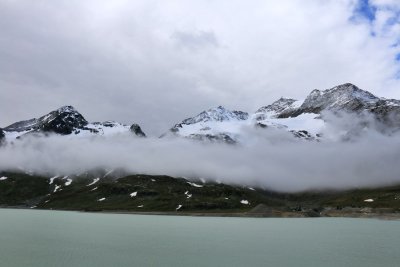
(214, 121)
(12, 135)
(392, 102)
(220, 123)
(338, 97)
(107, 128)
(277, 107)
(68, 109)
(231, 127)
(217, 114)
(306, 121)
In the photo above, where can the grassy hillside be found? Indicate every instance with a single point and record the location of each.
(167, 194)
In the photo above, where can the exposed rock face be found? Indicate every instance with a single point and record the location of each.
(217, 114)
(304, 120)
(343, 97)
(62, 121)
(135, 128)
(276, 108)
(213, 138)
(346, 97)
(303, 134)
(2, 135)
(387, 111)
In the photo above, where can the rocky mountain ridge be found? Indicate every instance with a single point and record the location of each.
(346, 97)
(67, 121)
(301, 119)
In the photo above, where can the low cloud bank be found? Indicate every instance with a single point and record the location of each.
(272, 160)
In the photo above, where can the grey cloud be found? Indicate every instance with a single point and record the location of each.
(195, 40)
(116, 60)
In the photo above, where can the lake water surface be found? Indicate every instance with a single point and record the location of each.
(57, 238)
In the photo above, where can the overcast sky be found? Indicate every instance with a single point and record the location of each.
(158, 62)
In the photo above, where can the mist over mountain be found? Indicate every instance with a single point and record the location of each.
(67, 121)
(342, 137)
(310, 119)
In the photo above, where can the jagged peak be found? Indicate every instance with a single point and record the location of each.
(278, 105)
(67, 120)
(218, 113)
(218, 108)
(339, 97)
(346, 85)
(347, 89)
(283, 101)
(69, 110)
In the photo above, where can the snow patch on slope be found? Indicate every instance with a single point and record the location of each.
(306, 121)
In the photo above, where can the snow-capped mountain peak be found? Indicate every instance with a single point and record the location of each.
(68, 121)
(217, 114)
(67, 109)
(214, 124)
(346, 96)
(301, 118)
(62, 121)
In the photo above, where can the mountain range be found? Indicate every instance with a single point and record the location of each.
(306, 120)
(302, 119)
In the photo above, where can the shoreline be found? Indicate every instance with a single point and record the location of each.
(380, 216)
(274, 214)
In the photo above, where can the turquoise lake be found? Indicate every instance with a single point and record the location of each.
(38, 238)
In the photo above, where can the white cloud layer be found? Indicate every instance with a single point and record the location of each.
(157, 62)
(273, 159)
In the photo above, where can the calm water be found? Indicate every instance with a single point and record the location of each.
(54, 238)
